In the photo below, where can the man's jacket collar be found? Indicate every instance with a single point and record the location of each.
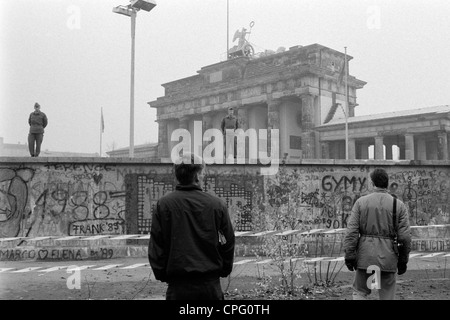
(376, 189)
(188, 187)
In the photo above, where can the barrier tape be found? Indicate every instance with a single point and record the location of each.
(71, 268)
(147, 236)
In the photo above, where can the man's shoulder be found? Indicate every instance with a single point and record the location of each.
(214, 198)
(168, 196)
(365, 197)
(176, 195)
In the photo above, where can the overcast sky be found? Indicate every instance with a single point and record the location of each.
(73, 57)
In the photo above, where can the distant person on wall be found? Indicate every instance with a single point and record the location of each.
(191, 238)
(371, 240)
(37, 121)
(229, 122)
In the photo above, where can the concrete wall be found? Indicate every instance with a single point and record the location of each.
(89, 196)
(93, 196)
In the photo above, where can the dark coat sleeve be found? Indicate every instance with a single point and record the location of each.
(352, 233)
(157, 255)
(403, 233)
(45, 120)
(227, 250)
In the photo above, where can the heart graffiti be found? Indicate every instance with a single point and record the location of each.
(42, 254)
(97, 177)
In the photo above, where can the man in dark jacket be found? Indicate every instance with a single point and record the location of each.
(191, 238)
(37, 121)
(369, 241)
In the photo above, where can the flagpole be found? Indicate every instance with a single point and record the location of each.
(101, 130)
(346, 105)
(228, 27)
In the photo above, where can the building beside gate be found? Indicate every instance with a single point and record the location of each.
(301, 92)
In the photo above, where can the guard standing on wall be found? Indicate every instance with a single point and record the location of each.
(228, 125)
(37, 121)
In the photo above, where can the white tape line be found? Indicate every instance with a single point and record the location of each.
(447, 255)
(413, 255)
(53, 269)
(78, 268)
(436, 225)
(39, 238)
(312, 231)
(293, 259)
(11, 239)
(431, 255)
(341, 230)
(263, 233)
(97, 237)
(316, 259)
(288, 232)
(137, 265)
(110, 266)
(5, 269)
(126, 236)
(26, 269)
(242, 233)
(145, 237)
(316, 230)
(337, 259)
(244, 261)
(264, 261)
(69, 238)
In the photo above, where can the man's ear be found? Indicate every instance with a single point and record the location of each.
(196, 178)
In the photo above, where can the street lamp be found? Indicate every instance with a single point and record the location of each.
(131, 11)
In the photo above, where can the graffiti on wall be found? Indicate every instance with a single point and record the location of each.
(329, 192)
(150, 190)
(93, 199)
(59, 254)
(237, 197)
(13, 199)
(60, 199)
(426, 194)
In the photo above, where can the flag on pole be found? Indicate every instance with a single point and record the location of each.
(342, 72)
(102, 123)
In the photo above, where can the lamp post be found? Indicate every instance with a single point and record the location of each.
(131, 11)
(346, 105)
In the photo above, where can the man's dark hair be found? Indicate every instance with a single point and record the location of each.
(186, 170)
(380, 178)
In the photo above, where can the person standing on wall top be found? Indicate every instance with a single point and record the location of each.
(369, 240)
(229, 122)
(191, 238)
(37, 121)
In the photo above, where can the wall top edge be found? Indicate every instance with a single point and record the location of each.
(43, 160)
